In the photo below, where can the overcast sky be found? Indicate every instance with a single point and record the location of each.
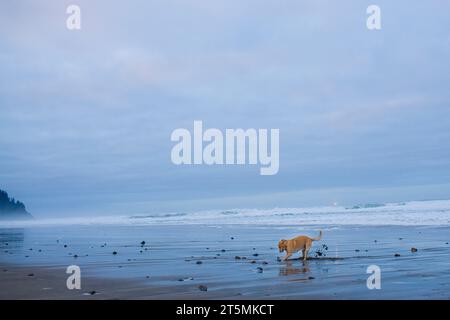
(86, 116)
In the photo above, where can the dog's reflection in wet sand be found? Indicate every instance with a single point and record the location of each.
(290, 268)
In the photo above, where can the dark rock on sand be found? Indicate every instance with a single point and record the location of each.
(397, 255)
(142, 243)
(186, 279)
(92, 292)
(199, 262)
(259, 270)
(413, 249)
(223, 250)
(237, 258)
(255, 254)
(265, 262)
(311, 278)
(114, 252)
(253, 261)
(31, 274)
(202, 287)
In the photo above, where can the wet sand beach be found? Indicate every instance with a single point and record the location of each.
(223, 262)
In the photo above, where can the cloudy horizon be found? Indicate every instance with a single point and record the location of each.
(86, 116)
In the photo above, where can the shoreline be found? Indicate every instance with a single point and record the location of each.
(226, 262)
(49, 283)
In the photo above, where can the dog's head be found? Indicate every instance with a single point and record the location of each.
(282, 245)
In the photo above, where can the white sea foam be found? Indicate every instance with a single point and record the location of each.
(435, 213)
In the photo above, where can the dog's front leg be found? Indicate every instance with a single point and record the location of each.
(287, 256)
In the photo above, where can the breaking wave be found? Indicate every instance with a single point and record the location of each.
(436, 212)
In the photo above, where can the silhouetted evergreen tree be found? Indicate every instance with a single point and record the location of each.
(11, 208)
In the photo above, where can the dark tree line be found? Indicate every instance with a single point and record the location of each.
(10, 206)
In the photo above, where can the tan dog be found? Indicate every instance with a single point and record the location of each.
(296, 244)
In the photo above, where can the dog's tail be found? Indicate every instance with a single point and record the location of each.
(319, 237)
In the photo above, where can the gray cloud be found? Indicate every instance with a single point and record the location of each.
(86, 116)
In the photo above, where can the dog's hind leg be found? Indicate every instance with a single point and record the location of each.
(305, 254)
